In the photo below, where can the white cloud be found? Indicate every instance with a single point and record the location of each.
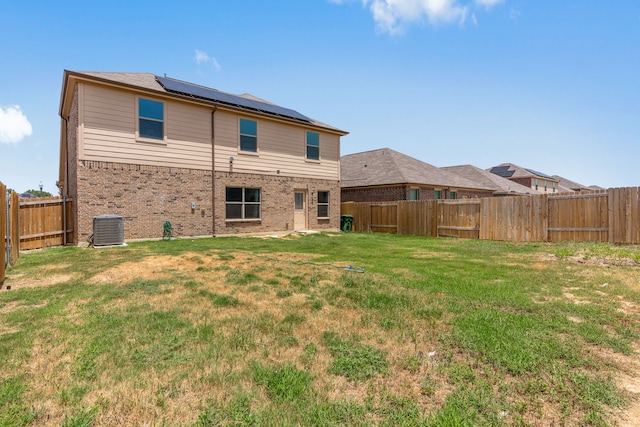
(14, 125)
(392, 16)
(203, 58)
(488, 3)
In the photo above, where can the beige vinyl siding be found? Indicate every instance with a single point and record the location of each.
(281, 147)
(110, 124)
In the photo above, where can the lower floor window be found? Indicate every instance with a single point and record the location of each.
(323, 204)
(243, 203)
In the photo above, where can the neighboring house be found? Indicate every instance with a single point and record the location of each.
(27, 196)
(535, 180)
(386, 175)
(500, 185)
(155, 149)
(572, 185)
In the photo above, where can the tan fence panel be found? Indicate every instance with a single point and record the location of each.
(361, 212)
(417, 218)
(579, 217)
(14, 231)
(459, 218)
(384, 218)
(42, 223)
(3, 232)
(515, 219)
(624, 215)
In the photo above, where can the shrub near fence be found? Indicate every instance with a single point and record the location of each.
(611, 215)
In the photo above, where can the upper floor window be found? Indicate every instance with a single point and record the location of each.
(323, 204)
(536, 183)
(313, 146)
(545, 185)
(248, 135)
(437, 194)
(413, 194)
(453, 195)
(151, 119)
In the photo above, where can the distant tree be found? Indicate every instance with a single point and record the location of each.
(37, 193)
(10, 190)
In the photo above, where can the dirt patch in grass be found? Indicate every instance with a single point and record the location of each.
(36, 282)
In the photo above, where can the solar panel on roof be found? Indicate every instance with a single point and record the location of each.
(538, 173)
(184, 88)
(502, 171)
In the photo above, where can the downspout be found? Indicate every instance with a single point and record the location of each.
(65, 184)
(213, 170)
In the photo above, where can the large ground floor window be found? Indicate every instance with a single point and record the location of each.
(243, 203)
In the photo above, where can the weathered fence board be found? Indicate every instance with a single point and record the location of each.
(3, 232)
(361, 215)
(417, 218)
(384, 218)
(579, 217)
(459, 218)
(601, 216)
(516, 219)
(624, 215)
(14, 231)
(42, 222)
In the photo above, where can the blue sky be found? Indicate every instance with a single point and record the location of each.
(552, 85)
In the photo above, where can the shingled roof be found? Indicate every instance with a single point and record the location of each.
(567, 183)
(149, 82)
(480, 176)
(388, 167)
(509, 170)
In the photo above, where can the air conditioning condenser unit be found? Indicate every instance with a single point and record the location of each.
(108, 230)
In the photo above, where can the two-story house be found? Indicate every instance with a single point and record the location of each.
(155, 149)
(538, 181)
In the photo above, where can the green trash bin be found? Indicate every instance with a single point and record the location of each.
(345, 222)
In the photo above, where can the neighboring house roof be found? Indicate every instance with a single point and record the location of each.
(567, 183)
(509, 170)
(388, 167)
(595, 187)
(480, 176)
(186, 90)
(27, 196)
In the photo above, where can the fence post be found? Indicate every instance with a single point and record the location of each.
(3, 232)
(14, 228)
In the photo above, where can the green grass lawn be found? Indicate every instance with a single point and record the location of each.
(325, 329)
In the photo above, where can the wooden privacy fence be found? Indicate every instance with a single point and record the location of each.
(43, 222)
(3, 232)
(31, 224)
(611, 215)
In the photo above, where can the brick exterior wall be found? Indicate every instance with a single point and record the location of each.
(470, 194)
(403, 192)
(527, 182)
(145, 196)
(277, 203)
